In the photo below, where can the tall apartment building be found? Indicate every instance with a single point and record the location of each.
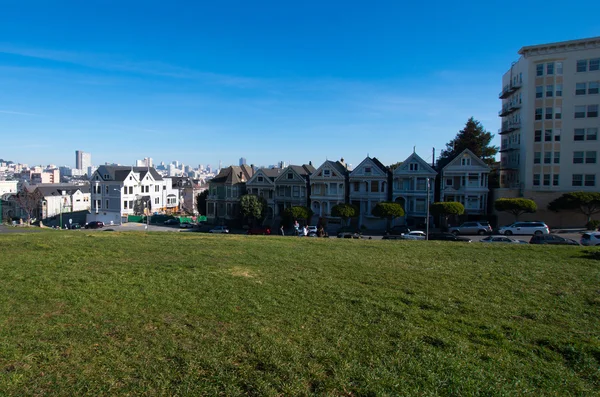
(83, 160)
(549, 131)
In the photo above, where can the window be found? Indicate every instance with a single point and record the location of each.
(537, 156)
(157, 188)
(538, 113)
(548, 113)
(592, 134)
(260, 179)
(558, 113)
(537, 137)
(356, 186)
(549, 90)
(590, 180)
(556, 157)
(559, 69)
(326, 172)
(414, 166)
(592, 111)
(290, 175)
(594, 64)
(550, 68)
(539, 69)
(156, 200)
(593, 87)
(555, 180)
(547, 157)
(580, 112)
(581, 65)
(548, 136)
(367, 170)
(580, 89)
(579, 134)
(536, 179)
(539, 91)
(559, 90)
(557, 135)
(546, 179)
(590, 157)
(577, 180)
(375, 186)
(130, 189)
(449, 182)
(124, 204)
(106, 204)
(577, 157)
(465, 161)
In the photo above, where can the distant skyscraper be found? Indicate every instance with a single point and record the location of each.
(83, 160)
(242, 160)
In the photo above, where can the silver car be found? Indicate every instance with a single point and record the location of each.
(219, 229)
(480, 228)
(535, 228)
(590, 239)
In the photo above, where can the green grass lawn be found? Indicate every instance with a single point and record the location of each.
(101, 313)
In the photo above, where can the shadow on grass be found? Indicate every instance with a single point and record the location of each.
(591, 254)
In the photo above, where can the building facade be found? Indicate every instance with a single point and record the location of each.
(292, 187)
(465, 180)
(262, 184)
(328, 187)
(413, 181)
(225, 190)
(368, 186)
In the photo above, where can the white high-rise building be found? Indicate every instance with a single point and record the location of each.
(83, 160)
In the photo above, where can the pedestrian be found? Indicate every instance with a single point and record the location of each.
(305, 231)
(281, 231)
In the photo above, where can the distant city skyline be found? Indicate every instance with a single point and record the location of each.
(301, 82)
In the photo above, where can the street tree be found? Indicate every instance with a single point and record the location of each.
(515, 206)
(28, 202)
(586, 203)
(201, 202)
(473, 137)
(344, 211)
(297, 213)
(446, 209)
(251, 207)
(388, 210)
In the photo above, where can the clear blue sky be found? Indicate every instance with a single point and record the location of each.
(202, 81)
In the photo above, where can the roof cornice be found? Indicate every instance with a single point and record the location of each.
(562, 46)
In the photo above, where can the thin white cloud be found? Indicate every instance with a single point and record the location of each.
(18, 113)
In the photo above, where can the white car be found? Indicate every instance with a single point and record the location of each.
(219, 229)
(535, 228)
(414, 235)
(590, 239)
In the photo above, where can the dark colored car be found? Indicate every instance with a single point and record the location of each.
(349, 235)
(397, 230)
(260, 231)
(74, 226)
(448, 237)
(551, 239)
(170, 222)
(94, 225)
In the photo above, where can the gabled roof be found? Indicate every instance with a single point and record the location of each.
(269, 173)
(301, 171)
(374, 162)
(120, 173)
(234, 174)
(456, 160)
(51, 189)
(334, 165)
(404, 168)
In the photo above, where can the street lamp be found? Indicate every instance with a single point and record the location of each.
(427, 219)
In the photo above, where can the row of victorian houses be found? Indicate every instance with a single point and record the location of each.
(464, 179)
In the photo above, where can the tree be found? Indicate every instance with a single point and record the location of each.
(251, 207)
(586, 203)
(344, 211)
(473, 137)
(201, 202)
(515, 206)
(395, 165)
(446, 208)
(388, 211)
(28, 202)
(298, 212)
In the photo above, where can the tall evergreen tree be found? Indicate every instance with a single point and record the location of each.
(473, 137)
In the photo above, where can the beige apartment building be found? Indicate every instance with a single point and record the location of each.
(549, 131)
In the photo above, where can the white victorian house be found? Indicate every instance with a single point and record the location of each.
(262, 184)
(413, 181)
(369, 185)
(328, 186)
(465, 180)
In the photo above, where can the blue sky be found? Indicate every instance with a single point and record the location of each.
(303, 81)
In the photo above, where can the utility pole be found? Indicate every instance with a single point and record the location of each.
(427, 219)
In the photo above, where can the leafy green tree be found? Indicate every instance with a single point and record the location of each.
(445, 209)
(344, 211)
(515, 206)
(395, 165)
(298, 212)
(201, 202)
(473, 137)
(586, 203)
(388, 211)
(251, 207)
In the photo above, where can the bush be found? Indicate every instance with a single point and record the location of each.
(593, 225)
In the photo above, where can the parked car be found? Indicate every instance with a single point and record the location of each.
(260, 230)
(414, 235)
(398, 230)
(349, 235)
(472, 228)
(448, 237)
(590, 239)
(551, 239)
(219, 229)
(186, 225)
(173, 221)
(94, 225)
(502, 239)
(312, 231)
(75, 226)
(537, 228)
